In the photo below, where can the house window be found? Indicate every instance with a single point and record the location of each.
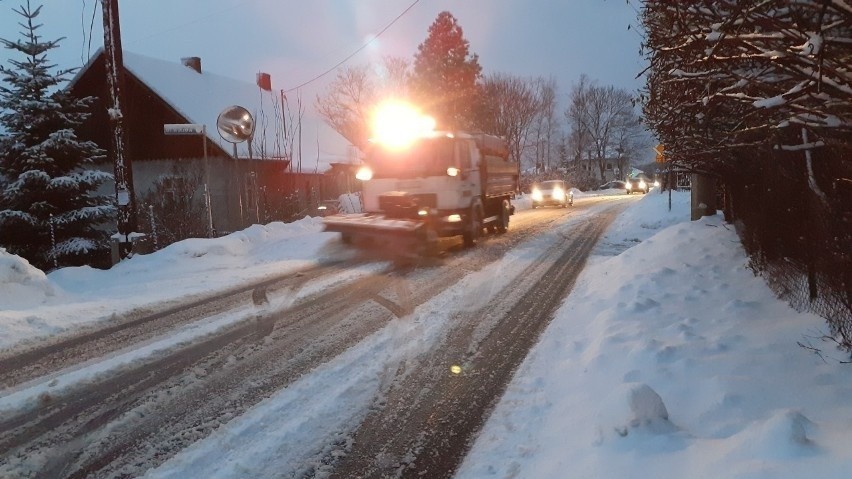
(174, 187)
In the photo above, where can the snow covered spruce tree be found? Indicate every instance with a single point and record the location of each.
(445, 76)
(49, 212)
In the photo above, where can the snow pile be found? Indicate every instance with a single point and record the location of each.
(350, 203)
(21, 284)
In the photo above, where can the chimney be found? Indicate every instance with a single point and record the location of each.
(264, 81)
(192, 62)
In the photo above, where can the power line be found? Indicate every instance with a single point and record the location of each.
(341, 62)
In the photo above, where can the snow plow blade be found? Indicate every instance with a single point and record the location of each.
(407, 237)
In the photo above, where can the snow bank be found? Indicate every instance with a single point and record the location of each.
(33, 304)
(670, 359)
(22, 284)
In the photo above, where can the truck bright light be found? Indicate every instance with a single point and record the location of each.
(396, 124)
(451, 171)
(454, 218)
(364, 173)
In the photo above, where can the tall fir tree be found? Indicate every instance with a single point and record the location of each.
(49, 210)
(445, 74)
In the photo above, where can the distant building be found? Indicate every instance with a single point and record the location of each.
(252, 182)
(590, 167)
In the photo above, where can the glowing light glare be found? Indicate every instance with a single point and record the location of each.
(364, 173)
(455, 369)
(396, 124)
(536, 195)
(452, 171)
(454, 218)
(656, 184)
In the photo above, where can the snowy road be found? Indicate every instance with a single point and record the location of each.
(128, 419)
(139, 327)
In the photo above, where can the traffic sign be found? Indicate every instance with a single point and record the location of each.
(183, 129)
(660, 149)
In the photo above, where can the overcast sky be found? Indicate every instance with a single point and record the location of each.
(296, 40)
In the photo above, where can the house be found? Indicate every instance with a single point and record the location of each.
(249, 182)
(591, 167)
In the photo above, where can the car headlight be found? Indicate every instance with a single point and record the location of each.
(536, 195)
(558, 194)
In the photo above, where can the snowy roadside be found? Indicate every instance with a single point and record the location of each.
(670, 359)
(34, 305)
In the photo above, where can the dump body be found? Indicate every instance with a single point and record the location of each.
(443, 185)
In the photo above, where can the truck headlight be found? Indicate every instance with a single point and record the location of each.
(452, 171)
(364, 173)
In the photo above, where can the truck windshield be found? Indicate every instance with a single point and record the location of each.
(427, 157)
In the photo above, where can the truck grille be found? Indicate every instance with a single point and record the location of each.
(404, 205)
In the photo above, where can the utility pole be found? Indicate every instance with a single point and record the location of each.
(121, 161)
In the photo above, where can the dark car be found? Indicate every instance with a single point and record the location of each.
(551, 193)
(613, 185)
(636, 184)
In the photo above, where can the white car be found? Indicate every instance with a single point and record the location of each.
(551, 193)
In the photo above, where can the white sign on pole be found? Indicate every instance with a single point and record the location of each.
(183, 129)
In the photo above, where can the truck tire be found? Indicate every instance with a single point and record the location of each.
(503, 217)
(474, 228)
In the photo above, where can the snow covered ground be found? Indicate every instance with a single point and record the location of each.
(669, 359)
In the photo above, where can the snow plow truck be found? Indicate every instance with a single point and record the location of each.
(431, 185)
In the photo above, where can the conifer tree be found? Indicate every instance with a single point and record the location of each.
(445, 74)
(49, 211)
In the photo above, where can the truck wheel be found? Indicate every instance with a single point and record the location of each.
(503, 218)
(474, 229)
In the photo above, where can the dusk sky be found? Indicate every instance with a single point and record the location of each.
(295, 41)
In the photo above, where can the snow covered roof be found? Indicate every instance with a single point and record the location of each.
(200, 97)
